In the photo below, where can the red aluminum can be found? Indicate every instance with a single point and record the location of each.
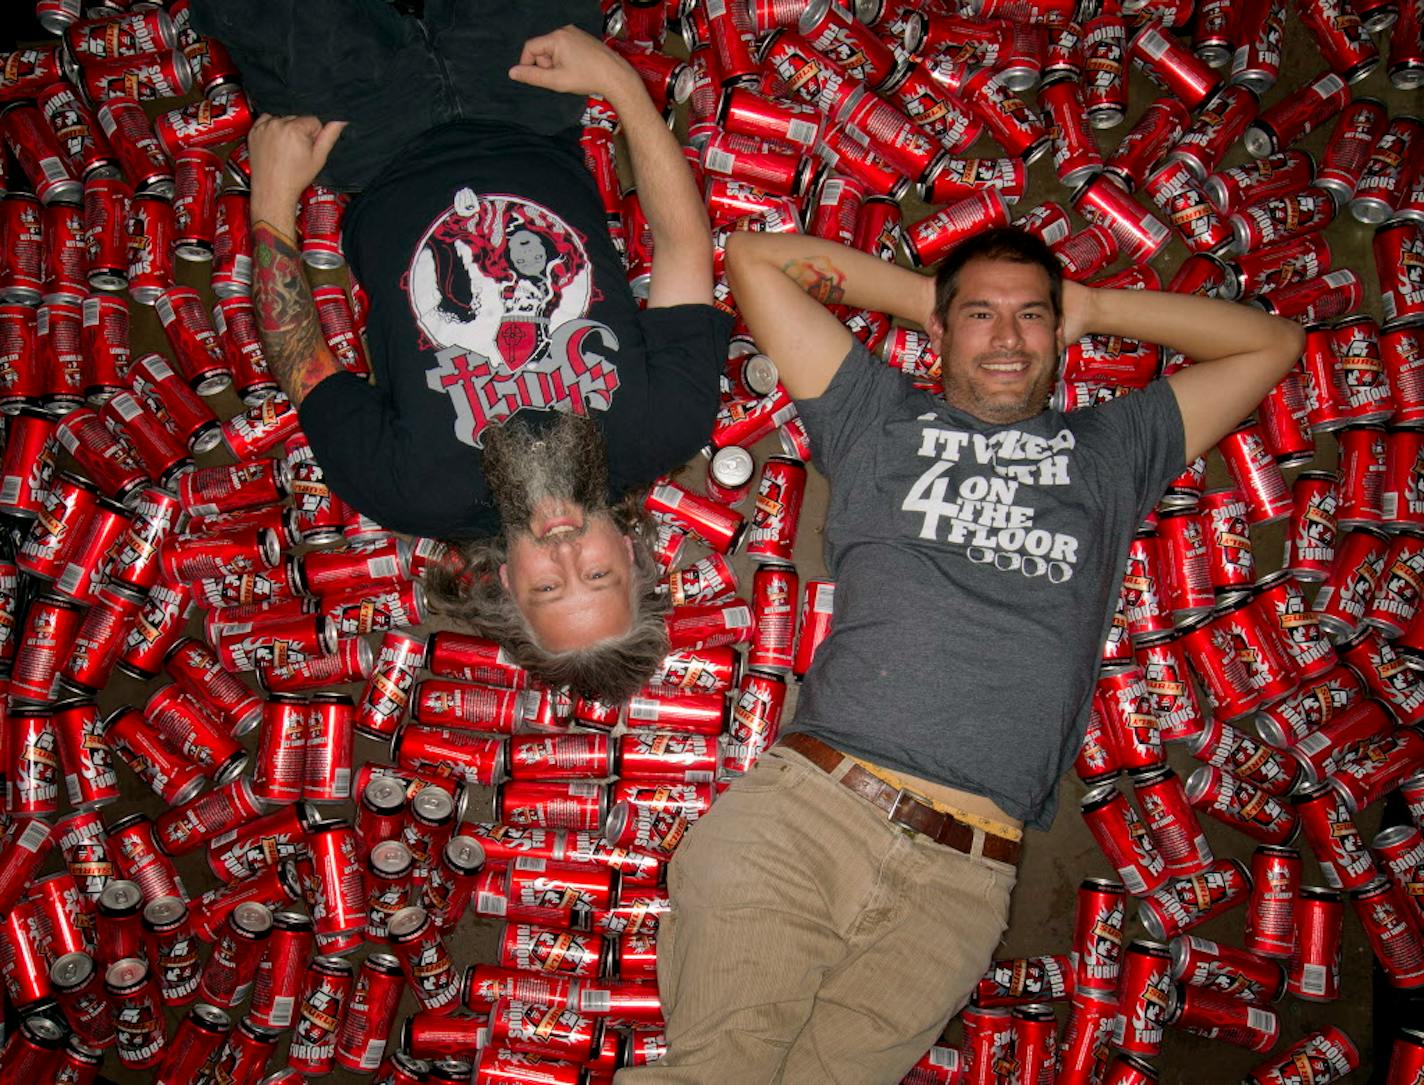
(232, 250)
(1334, 839)
(1360, 127)
(1128, 717)
(1270, 910)
(186, 726)
(22, 278)
(66, 254)
(1241, 805)
(780, 493)
(1097, 759)
(1319, 1057)
(473, 707)
(173, 775)
(1296, 115)
(138, 1013)
(1098, 922)
(119, 929)
(1144, 589)
(721, 528)
(1399, 251)
(388, 690)
(1313, 972)
(370, 1013)
(187, 827)
(554, 952)
(1395, 601)
(53, 535)
(988, 1033)
(261, 842)
(1172, 66)
(194, 667)
(927, 241)
(425, 960)
(1142, 993)
(1171, 821)
(1400, 850)
(560, 757)
(168, 396)
(1185, 903)
(774, 592)
(463, 755)
(1280, 219)
(1362, 378)
(32, 764)
(1180, 195)
(993, 98)
(1187, 575)
(20, 377)
(25, 971)
(1266, 178)
(1230, 557)
(203, 124)
(105, 338)
(197, 176)
(228, 975)
(1124, 839)
(157, 628)
(89, 775)
(172, 948)
(1334, 294)
(1162, 123)
(161, 454)
(28, 464)
(1281, 602)
(1257, 475)
(1227, 970)
(1215, 1016)
(327, 752)
(336, 864)
(324, 994)
(106, 216)
(1311, 533)
(47, 636)
(1223, 746)
(1269, 665)
(79, 988)
(150, 229)
(38, 152)
(1087, 1033)
(1139, 234)
(1035, 1042)
(576, 805)
(1024, 980)
(1345, 596)
(261, 427)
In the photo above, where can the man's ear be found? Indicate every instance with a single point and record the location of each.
(935, 326)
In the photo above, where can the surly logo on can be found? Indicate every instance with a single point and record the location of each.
(500, 287)
(982, 515)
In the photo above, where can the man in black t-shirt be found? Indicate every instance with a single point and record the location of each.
(519, 391)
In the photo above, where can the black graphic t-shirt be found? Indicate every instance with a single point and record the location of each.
(976, 568)
(496, 293)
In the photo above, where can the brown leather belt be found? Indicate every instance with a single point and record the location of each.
(903, 808)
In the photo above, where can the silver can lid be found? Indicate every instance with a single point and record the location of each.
(71, 971)
(406, 921)
(164, 910)
(760, 374)
(384, 793)
(120, 896)
(464, 853)
(211, 1016)
(127, 972)
(252, 918)
(732, 467)
(391, 857)
(433, 804)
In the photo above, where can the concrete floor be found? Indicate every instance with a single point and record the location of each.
(1056, 861)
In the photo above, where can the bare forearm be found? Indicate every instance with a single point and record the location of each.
(835, 274)
(666, 189)
(286, 316)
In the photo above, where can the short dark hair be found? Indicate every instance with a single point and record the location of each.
(469, 590)
(1001, 243)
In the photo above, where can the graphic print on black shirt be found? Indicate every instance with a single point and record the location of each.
(500, 288)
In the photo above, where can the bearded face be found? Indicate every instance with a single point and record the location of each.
(565, 463)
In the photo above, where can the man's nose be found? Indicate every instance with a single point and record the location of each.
(1007, 330)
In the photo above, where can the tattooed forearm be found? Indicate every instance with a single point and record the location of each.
(818, 277)
(286, 316)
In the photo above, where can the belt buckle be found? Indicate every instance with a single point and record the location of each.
(896, 820)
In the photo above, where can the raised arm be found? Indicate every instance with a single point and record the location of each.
(287, 154)
(1238, 352)
(783, 282)
(572, 61)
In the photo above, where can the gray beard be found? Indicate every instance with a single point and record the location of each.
(565, 462)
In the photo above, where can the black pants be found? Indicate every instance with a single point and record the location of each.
(392, 76)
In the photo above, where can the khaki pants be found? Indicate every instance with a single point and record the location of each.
(811, 942)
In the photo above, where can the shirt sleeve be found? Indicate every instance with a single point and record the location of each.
(1142, 433)
(862, 391)
(686, 351)
(370, 460)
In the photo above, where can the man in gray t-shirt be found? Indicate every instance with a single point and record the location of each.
(836, 906)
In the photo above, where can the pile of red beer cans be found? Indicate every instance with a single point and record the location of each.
(170, 524)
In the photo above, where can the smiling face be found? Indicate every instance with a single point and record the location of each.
(999, 340)
(571, 576)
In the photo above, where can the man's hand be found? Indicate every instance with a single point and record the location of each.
(287, 154)
(574, 62)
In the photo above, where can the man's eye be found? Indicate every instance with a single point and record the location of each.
(598, 575)
(545, 587)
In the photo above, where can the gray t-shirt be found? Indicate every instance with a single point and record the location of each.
(976, 570)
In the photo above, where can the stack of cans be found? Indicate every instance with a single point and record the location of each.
(163, 533)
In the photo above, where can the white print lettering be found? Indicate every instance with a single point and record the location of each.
(984, 514)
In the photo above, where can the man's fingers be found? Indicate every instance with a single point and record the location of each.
(534, 75)
(327, 137)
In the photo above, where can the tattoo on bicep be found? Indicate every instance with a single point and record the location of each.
(818, 277)
(286, 315)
